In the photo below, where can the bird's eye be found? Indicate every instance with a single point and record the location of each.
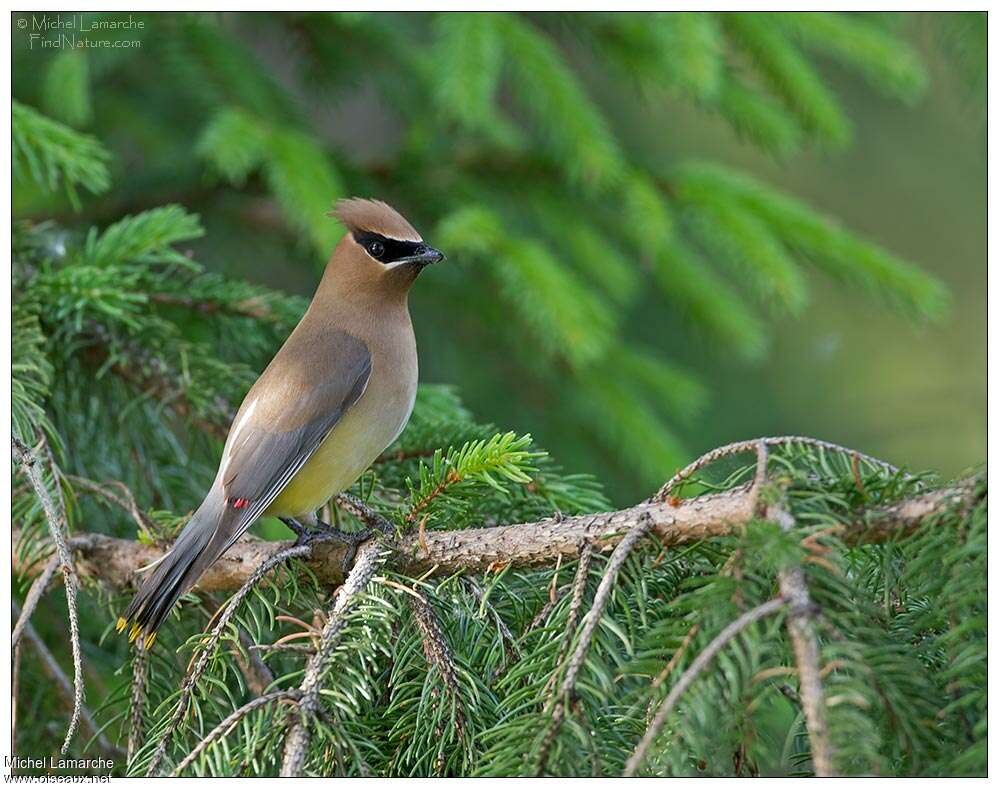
(376, 249)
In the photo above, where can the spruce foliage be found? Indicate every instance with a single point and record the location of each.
(497, 135)
(130, 354)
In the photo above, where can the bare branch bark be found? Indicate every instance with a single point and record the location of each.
(113, 560)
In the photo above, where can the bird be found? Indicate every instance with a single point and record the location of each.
(334, 397)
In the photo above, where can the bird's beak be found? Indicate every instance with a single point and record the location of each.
(425, 255)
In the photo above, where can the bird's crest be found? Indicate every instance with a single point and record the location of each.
(374, 216)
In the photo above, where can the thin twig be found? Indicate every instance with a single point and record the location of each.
(507, 636)
(578, 590)
(693, 671)
(740, 447)
(229, 722)
(800, 628)
(137, 697)
(209, 644)
(544, 612)
(56, 517)
(306, 648)
(258, 677)
(125, 501)
(32, 598)
(364, 513)
(592, 619)
(675, 659)
(438, 653)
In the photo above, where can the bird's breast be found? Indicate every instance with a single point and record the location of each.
(361, 435)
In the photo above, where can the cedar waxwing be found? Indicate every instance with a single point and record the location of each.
(338, 392)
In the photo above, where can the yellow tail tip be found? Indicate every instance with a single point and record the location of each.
(134, 632)
(121, 624)
(150, 640)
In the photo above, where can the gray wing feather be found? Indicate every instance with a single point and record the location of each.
(319, 374)
(268, 456)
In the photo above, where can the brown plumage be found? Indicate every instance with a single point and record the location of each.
(374, 216)
(336, 394)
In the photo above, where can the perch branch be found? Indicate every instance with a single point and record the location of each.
(113, 560)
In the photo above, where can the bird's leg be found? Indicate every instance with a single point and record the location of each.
(312, 530)
(301, 530)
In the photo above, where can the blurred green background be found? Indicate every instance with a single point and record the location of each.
(554, 157)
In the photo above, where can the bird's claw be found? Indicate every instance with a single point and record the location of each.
(326, 533)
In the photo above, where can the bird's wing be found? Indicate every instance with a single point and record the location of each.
(287, 414)
(318, 374)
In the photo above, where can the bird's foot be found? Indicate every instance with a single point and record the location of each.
(323, 532)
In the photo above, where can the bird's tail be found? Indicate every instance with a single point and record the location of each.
(174, 574)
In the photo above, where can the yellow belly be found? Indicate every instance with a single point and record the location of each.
(361, 436)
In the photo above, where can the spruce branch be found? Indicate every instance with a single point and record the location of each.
(566, 693)
(370, 557)
(438, 653)
(208, 645)
(137, 697)
(545, 611)
(113, 560)
(255, 672)
(230, 722)
(56, 519)
(801, 629)
(578, 590)
(509, 639)
(693, 671)
(753, 445)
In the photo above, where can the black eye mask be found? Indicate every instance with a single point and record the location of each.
(388, 249)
